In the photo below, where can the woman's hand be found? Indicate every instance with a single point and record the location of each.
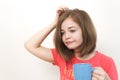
(59, 11)
(100, 74)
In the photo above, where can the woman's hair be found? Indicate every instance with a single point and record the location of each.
(88, 33)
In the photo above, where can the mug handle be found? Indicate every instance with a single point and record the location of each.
(93, 69)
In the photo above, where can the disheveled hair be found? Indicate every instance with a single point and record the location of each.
(88, 33)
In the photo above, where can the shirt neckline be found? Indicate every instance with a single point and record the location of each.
(84, 61)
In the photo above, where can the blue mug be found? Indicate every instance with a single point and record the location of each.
(82, 71)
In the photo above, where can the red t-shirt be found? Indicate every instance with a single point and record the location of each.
(99, 60)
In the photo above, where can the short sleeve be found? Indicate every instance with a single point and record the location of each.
(112, 72)
(58, 60)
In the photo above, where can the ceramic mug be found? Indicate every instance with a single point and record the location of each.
(82, 71)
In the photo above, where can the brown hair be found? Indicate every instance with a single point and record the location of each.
(88, 33)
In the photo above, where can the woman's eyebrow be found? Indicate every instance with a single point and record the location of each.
(70, 27)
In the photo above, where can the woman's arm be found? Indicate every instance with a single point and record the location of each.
(33, 45)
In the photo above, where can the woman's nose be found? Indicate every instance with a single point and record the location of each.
(67, 35)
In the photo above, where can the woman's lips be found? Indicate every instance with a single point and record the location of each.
(69, 42)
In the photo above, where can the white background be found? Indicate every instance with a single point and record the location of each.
(20, 19)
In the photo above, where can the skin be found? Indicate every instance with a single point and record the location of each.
(71, 34)
(68, 29)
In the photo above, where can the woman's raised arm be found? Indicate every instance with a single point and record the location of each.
(33, 45)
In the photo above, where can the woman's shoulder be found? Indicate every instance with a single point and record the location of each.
(54, 51)
(103, 56)
(103, 60)
(58, 60)
(56, 54)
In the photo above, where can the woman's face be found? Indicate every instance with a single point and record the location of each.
(71, 34)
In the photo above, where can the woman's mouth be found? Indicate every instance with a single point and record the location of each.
(69, 42)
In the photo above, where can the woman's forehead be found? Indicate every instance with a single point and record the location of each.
(69, 23)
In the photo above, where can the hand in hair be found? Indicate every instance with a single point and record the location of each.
(59, 11)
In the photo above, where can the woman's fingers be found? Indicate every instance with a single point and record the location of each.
(62, 9)
(100, 74)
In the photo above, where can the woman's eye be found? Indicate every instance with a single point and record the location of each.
(62, 32)
(72, 30)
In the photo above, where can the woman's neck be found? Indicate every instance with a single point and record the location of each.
(86, 57)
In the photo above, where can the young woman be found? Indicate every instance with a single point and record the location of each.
(75, 42)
